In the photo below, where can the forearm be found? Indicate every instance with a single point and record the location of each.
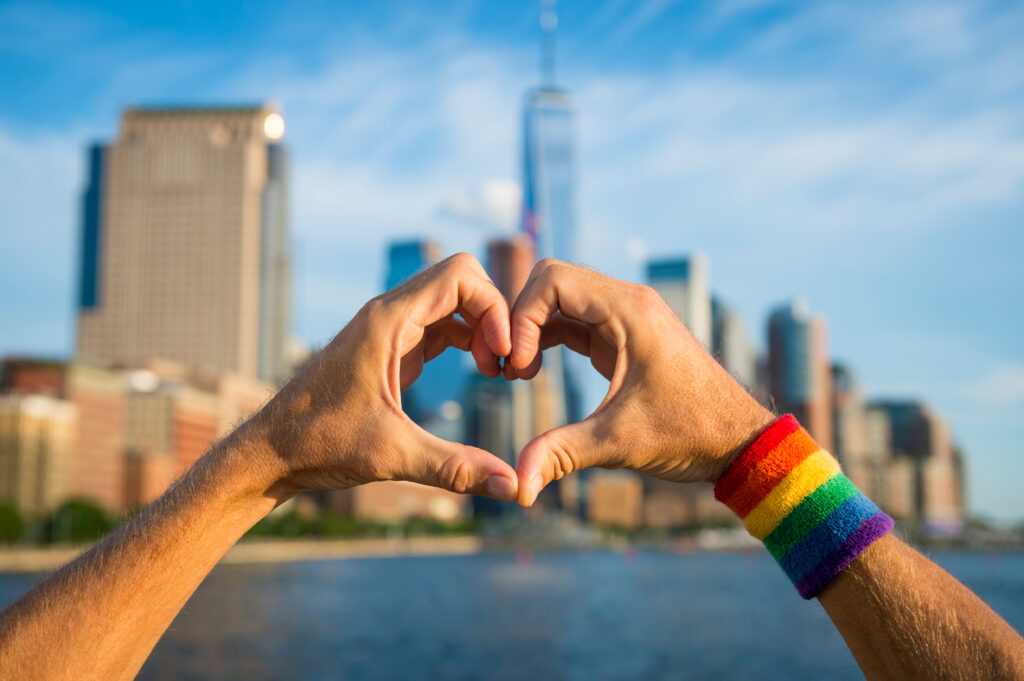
(100, 616)
(904, 617)
(338, 423)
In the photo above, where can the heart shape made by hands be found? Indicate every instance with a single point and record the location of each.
(670, 409)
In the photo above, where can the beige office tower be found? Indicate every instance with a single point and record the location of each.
(185, 243)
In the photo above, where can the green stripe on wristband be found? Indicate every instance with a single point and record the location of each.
(808, 514)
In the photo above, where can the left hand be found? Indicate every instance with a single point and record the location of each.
(339, 422)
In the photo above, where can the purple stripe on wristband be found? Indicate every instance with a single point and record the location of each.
(871, 529)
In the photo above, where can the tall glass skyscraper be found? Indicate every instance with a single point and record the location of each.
(549, 213)
(549, 188)
(549, 209)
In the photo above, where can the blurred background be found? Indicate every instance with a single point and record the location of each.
(197, 196)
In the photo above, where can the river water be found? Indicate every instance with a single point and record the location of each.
(498, 616)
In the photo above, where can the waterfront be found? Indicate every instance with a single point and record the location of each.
(600, 615)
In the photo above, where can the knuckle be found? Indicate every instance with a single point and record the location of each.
(552, 272)
(375, 311)
(462, 257)
(546, 268)
(460, 262)
(648, 299)
(546, 264)
(455, 475)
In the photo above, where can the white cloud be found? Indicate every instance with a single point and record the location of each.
(637, 250)
(721, 147)
(495, 204)
(1003, 385)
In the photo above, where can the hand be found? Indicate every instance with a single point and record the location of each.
(340, 423)
(671, 410)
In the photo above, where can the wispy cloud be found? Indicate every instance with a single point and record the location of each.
(495, 204)
(1002, 385)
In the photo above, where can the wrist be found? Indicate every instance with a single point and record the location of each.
(736, 430)
(248, 469)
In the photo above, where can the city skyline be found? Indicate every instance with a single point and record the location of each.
(896, 215)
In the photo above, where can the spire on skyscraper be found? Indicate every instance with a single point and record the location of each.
(548, 26)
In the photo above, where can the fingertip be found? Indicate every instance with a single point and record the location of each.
(533, 368)
(528, 472)
(522, 355)
(502, 488)
(498, 332)
(486, 361)
(525, 342)
(535, 486)
(489, 367)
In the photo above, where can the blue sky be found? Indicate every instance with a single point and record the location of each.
(867, 156)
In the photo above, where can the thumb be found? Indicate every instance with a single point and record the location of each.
(558, 452)
(462, 469)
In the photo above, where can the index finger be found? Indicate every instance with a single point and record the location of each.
(459, 284)
(576, 292)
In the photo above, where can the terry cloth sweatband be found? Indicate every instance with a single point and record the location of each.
(792, 496)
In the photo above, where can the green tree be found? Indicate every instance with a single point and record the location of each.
(79, 520)
(12, 525)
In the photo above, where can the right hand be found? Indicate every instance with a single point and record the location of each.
(671, 410)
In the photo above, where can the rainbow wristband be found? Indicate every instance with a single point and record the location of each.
(792, 496)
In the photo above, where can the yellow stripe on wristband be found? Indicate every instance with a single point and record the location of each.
(806, 477)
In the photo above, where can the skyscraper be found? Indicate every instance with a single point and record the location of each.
(932, 491)
(406, 259)
(549, 187)
(684, 284)
(184, 250)
(799, 371)
(851, 432)
(549, 197)
(500, 415)
(730, 344)
(434, 397)
(509, 262)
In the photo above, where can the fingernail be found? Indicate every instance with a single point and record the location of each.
(536, 485)
(500, 487)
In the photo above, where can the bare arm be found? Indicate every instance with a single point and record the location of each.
(100, 616)
(904, 617)
(673, 412)
(339, 423)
